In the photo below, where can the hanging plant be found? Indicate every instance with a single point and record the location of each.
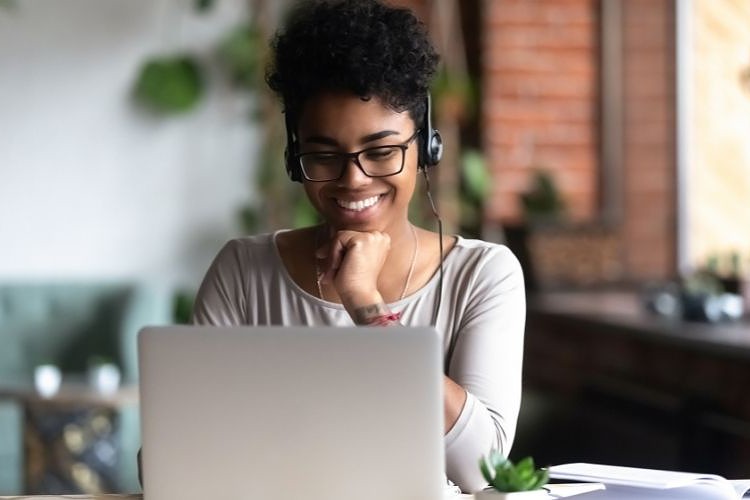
(240, 54)
(169, 84)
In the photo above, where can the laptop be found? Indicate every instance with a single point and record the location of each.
(284, 413)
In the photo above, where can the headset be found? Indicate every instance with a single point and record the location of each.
(430, 145)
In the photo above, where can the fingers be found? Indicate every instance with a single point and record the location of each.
(362, 252)
(334, 257)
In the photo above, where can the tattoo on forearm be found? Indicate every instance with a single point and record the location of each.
(376, 315)
(365, 315)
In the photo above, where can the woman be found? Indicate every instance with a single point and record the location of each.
(353, 77)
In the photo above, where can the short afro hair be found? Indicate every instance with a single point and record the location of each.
(361, 46)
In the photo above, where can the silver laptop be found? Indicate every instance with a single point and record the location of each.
(279, 413)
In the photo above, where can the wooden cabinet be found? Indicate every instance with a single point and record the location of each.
(605, 381)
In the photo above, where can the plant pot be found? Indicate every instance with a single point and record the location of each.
(492, 494)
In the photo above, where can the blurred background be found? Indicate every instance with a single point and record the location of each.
(607, 142)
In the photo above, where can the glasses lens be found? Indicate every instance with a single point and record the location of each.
(321, 166)
(382, 161)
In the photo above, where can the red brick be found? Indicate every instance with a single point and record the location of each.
(520, 85)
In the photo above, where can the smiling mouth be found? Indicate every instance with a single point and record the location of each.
(359, 205)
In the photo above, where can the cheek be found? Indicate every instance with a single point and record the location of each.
(313, 193)
(409, 182)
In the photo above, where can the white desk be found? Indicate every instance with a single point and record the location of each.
(113, 497)
(110, 497)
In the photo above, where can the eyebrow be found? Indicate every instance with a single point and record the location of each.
(320, 139)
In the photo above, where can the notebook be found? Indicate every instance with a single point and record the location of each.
(626, 483)
(280, 413)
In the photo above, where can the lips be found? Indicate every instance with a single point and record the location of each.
(358, 205)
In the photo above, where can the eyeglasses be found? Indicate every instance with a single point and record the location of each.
(380, 161)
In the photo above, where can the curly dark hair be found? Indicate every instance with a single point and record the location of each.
(363, 46)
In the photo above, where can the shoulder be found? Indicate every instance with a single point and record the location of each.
(483, 266)
(472, 252)
(240, 252)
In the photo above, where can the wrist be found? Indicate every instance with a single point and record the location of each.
(356, 303)
(374, 314)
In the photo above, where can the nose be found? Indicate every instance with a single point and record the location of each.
(353, 175)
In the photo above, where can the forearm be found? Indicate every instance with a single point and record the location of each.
(454, 399)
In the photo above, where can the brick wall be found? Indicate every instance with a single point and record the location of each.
(540, 100)
(541, 83)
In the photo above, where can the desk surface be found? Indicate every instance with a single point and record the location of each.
(75, 497)
(111, 497)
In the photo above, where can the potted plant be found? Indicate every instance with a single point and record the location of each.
(509, 481)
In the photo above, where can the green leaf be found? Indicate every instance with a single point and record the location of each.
(484, 468)
(203, 5)
(171, 84)
(249, 219)
(526, 467)
(240, 54)
(497, 461)
(541, 478)
(477, 181)
(509, 477)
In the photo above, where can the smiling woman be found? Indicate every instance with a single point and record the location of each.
(353, 77)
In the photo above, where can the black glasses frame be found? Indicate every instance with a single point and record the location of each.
(354, 156)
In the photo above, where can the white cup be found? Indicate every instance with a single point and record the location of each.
(47, 379)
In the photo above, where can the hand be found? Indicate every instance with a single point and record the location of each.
(352, 261)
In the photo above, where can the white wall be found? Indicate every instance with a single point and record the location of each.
(91, 186)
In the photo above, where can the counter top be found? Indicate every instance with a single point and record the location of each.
(624, 313)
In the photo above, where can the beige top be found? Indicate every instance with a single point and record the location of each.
(482, 312)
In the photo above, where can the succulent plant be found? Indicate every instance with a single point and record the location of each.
(505, 476)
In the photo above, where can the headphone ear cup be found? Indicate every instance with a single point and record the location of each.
(291, 162)
(430, 141)
(293, 168)
(436, 148)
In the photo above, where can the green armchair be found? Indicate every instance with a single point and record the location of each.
(67, 324)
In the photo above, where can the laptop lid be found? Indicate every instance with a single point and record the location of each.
(291, 412)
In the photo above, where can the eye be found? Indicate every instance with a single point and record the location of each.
(322, 158)
(380, 154)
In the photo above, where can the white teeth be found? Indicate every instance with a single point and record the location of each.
(358, 205)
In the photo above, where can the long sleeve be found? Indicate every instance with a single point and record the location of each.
(487, 363)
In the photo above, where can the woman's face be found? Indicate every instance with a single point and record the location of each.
(342, 122)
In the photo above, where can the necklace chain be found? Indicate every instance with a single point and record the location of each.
(408, 276)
